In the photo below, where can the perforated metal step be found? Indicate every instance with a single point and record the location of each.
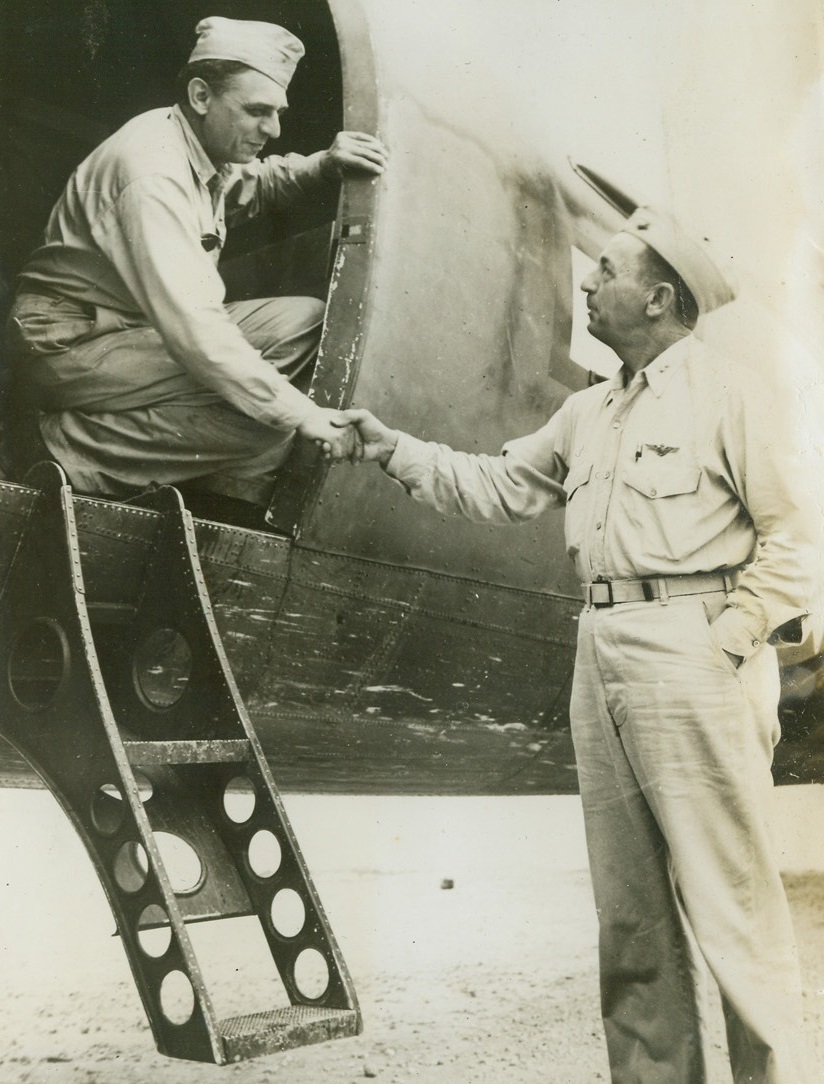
(282, 1029)
(215, 751)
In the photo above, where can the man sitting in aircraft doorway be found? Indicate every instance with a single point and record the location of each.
(694, 539)
(119, 330)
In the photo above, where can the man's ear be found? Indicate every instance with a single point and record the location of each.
(661, 299)
(200, 94)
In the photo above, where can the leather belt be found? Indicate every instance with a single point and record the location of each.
(661, 588)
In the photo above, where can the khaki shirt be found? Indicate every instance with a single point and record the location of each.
(689, 468)
(137, 234)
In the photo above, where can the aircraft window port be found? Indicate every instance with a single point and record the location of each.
(288, 913)
(107, 804)
(154, 931)
(239, 799)
(177, 998)
(264, 854)
(311, 974)
(162, 667)
(38, 664)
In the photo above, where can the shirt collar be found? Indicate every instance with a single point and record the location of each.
(198, 158)
(657, 374)
(660, 372)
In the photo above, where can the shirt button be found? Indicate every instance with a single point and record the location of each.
(606, 474)
(756, 643)
(598, 526)
(653, 493)
(616, 425)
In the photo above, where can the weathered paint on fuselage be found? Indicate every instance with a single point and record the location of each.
(361, 675)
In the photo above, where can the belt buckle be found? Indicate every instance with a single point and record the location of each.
(610, 601)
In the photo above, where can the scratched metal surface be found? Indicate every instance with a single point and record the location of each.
(361, 675)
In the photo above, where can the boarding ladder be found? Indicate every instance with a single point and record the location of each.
(129, 712)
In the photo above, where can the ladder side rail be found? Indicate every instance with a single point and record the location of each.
(83, 763)
(270, 812)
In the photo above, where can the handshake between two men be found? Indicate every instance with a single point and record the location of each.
(360, 437)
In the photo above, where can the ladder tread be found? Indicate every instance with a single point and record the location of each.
(190, 751)
(111, 613)
(253, 1034)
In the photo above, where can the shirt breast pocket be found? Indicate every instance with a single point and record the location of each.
(664, 501)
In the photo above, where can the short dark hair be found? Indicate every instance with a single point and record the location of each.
(656, 269)
(217, 73)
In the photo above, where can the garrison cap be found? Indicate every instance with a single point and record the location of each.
(691, 258)
(266, 47)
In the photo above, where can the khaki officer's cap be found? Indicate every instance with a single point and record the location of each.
(690, 256)
(266, 47)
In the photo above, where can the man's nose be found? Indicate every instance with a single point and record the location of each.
(588, 283)
(270, 126)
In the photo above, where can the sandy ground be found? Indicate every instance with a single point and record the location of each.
(493, 979)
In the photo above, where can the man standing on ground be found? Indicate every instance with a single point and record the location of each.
(694, 541)
(119, 331)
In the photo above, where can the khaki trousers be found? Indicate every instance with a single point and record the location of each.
(119, 414)
(674, 747)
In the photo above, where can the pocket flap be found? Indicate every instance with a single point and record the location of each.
(663, 480)
(579, 475)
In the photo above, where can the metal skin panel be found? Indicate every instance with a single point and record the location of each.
(246, 573)
(462, 323)
(395, 679)
(350, 665)
(425, 645)
(379, 678)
